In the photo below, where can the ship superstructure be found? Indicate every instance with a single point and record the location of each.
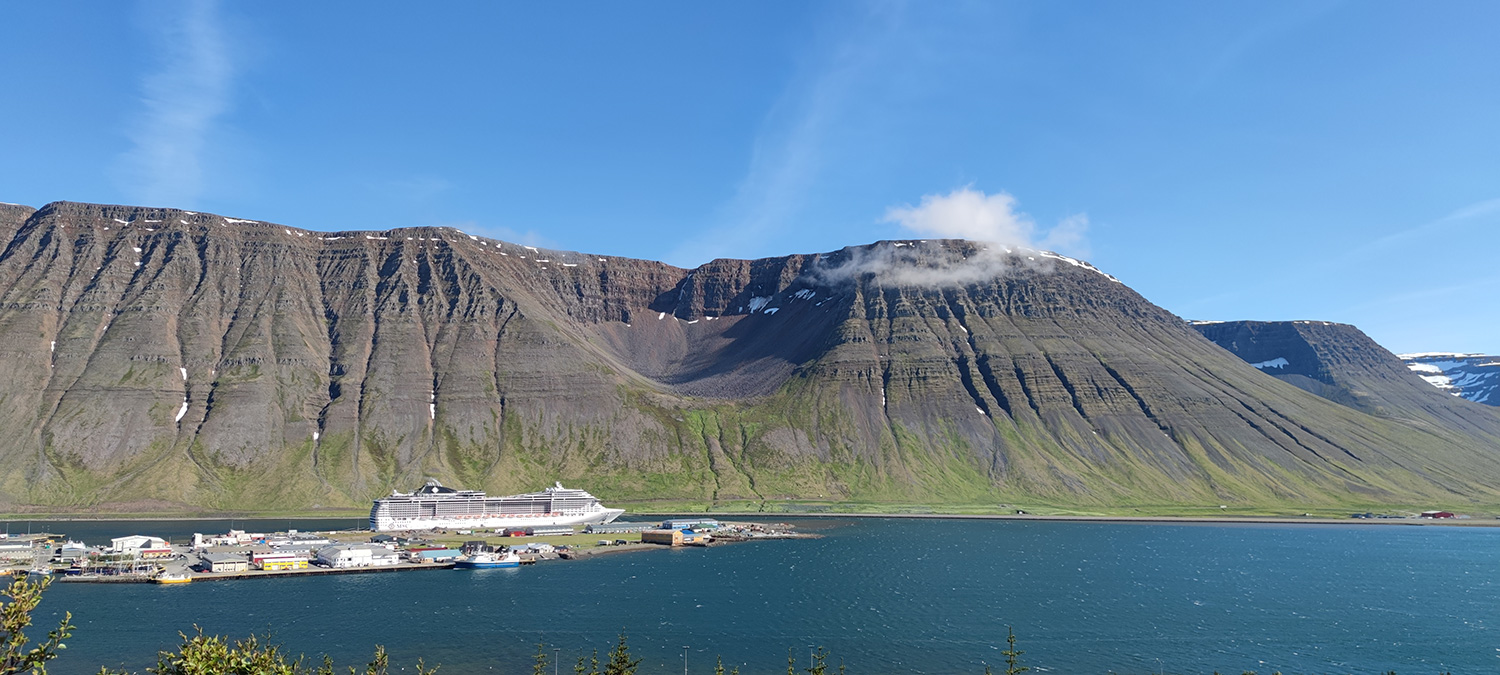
(433, 506)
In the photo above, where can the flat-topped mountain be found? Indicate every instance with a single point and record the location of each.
(167, 359)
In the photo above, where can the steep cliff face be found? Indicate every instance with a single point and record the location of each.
(168, 359)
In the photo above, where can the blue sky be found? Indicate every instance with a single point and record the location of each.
(1265, 160)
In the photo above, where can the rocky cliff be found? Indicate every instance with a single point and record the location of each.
(167, 359)
(1339, 362)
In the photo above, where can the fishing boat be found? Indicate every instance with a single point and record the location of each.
(484, 560)
(171, 578)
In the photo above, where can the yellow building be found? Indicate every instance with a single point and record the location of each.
(277, 562)
(673, 537)
(277, 565)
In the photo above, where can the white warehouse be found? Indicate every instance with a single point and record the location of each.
(356, 555)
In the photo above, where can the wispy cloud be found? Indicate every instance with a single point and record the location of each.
(788, 152)
(503, 233)
(181, 101)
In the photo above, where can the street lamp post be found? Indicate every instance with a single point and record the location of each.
(556, 656)
(684, 659)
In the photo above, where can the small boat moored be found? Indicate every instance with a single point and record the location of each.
(167, 578)
(485, 560)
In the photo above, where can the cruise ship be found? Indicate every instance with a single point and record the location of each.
(433, 506)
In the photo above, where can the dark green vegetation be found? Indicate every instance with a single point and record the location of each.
(322, 370)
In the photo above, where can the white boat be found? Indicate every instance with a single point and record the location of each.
(480, 561)
(434, 506)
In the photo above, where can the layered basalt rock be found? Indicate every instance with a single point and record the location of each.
(164, 358)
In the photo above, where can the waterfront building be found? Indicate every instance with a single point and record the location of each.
(356, 555)
(141, 546)
(436, 554)
(434, 506)
(225, 562)
(277, 561)
(72, 551)
(690, 524)
(617, 528)
(12, 550)
(667, 537)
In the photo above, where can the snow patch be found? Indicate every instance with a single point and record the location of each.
(981, 411)
(122, 222)
(757, 303)
(137, 249)
(54, 346)
(237, 221)
(771, 310)
(315, 436)
(570, 264)
(184, 374)
(804, 294)
(1278, 362)
(181, 411)
(661, 316)
(1439, 381)
(1424, 368)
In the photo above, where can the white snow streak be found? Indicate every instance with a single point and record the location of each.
(1278, 362)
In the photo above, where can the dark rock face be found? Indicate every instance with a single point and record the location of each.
(1341, 363)
(167, 359)
(1473, 377)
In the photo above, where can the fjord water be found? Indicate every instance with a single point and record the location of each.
(885, 596)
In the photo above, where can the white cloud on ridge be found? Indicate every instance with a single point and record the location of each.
(181, 103)
(1004, 235)
(966, 213)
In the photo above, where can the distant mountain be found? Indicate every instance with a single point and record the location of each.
(160, 359)
(1475, 377)
(1339, 362)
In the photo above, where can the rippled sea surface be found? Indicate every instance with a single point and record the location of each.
(884, 596)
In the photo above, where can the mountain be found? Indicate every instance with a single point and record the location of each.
(169, 360)
(1339, 362)
(1473, 377)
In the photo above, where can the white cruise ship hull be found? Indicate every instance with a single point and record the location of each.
(485, 522)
